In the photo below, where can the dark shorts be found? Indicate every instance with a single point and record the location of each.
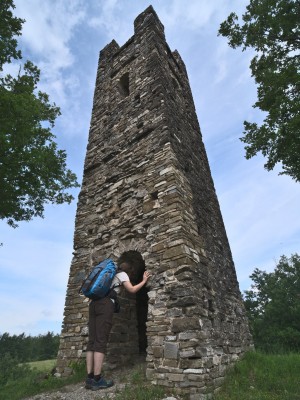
(100, 322)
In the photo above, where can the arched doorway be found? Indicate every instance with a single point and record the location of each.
(128, 338)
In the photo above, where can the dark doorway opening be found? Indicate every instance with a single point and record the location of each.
(135, 258)
(142, 312)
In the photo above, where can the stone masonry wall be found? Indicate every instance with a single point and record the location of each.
(147, 187)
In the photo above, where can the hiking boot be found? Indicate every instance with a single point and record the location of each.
(101, 384)
(88, 383)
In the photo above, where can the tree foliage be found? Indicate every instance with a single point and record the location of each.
(273, 306)
(33, 170)
(10, 369)
(10, 27)
(272, 29)
(29, 348)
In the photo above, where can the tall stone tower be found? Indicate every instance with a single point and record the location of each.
(147, 190)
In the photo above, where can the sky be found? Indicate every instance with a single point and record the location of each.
(63, 38)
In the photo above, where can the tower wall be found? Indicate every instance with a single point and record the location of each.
(147, 187)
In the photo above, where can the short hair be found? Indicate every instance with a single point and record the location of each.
(135, 264)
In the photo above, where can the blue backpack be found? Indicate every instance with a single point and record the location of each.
(98, 282)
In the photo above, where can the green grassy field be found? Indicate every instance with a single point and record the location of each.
(42, 366)
(257, 377)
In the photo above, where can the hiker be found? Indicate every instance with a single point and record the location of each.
(100, 323)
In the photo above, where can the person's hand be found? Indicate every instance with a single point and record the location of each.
(146, 276)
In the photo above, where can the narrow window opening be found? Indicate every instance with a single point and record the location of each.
(137, 99)
(124, 85)
(187, 168)
(154, 195)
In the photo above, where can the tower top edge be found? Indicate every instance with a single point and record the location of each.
(143, 16)
(109, 50)
(145, 21)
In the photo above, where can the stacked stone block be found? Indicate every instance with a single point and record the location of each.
(147, 187)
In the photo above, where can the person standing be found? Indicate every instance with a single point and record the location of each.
(100, 323)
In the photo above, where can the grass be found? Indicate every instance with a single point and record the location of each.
(257, 377)
(39, 380)
(263, 377)
(42, 366)
(138, 388)
(144, 392)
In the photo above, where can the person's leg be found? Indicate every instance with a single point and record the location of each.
(90, 362)
(98, 362)
(104, 313)
(104, 310)
(90, 346)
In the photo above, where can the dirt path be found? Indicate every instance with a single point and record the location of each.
(78, 392)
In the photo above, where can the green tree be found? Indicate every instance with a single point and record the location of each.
(273, 306)
(29, 348)
(48, 346)
(272, 29)
(33, 170)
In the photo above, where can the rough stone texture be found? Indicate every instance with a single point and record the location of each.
(147, 187)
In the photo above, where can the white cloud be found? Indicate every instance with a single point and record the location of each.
(221, 63)
(112, 19)
(39, 251)
(11, 69)
(259, 212)
(46, 40)
(195, 15)
(34, 269)
(28, 314)
(49, 27)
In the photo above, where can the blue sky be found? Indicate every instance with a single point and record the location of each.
(260, 209)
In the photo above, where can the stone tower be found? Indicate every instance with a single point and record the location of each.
(147, 190)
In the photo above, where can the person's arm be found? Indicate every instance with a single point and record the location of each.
(133, 289)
